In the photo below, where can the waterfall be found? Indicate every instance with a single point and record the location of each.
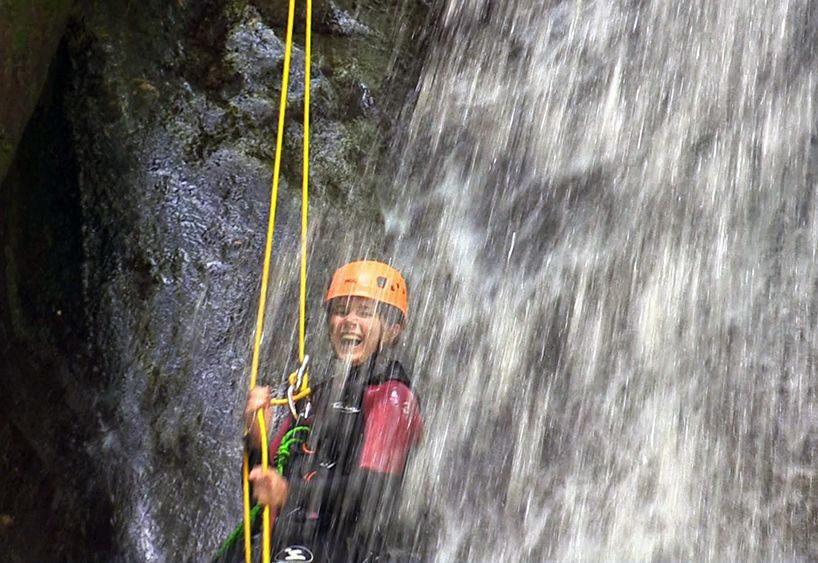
(605, 213)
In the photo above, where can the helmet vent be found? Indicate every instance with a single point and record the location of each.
(381, 282)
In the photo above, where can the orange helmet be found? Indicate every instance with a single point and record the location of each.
(371, 279)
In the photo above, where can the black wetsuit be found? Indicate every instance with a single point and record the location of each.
(344, 481)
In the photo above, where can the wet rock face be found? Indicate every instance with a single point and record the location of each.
(30, 31)
(173, 111)
(49, 486)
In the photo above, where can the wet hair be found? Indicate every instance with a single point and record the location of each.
(390, 315)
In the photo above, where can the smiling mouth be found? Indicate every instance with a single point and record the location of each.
(349, 342)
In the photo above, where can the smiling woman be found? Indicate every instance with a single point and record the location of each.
(336, 493)
(367, 305)
(356, 330)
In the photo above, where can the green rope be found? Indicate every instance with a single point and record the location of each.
(237, 533)
(293, 437)
(290, 439)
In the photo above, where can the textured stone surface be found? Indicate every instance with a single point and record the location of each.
(49, 486)
(30, 31)
(170, 112)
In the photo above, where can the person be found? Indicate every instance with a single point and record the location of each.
(338, 489)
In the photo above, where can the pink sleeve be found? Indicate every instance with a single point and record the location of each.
(392, 426)
(276, 441)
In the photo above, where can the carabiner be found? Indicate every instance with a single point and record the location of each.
(297, 385)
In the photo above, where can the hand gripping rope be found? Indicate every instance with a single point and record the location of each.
(292, 438)
(302, 378)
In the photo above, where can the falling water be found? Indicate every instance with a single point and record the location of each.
(606, 212)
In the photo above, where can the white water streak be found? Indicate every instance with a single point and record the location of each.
(637, 379)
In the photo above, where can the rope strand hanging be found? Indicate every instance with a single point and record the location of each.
(304, 387)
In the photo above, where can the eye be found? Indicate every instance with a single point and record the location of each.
(339, 309)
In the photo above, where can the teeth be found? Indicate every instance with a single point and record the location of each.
(350, 339)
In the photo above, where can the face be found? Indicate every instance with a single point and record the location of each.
(355, 328)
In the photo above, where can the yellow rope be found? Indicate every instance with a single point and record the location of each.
(265, 275)
(245, 472)
(305, 177)
(262, 428)
(305, 390)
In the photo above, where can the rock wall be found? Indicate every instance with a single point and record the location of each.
(149, 248)
(30, 31)
(50, 486)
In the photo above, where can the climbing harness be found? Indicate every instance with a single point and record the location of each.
(302, 377)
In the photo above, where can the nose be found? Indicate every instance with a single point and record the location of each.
(350, 319)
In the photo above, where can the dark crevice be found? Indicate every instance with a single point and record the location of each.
(49, 489)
